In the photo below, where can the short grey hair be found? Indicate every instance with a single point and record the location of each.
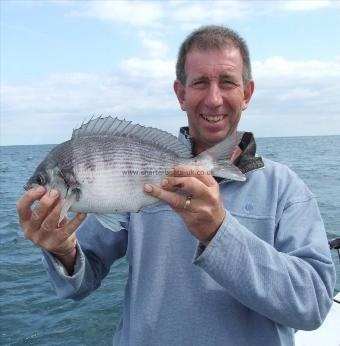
(213, 37)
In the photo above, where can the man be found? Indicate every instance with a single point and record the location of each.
(237, 263)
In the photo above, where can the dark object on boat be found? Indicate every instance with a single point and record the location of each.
(334, 244)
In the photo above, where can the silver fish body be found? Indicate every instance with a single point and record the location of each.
(110, 172)
(104, 166)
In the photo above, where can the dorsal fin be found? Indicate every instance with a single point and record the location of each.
(109, 126)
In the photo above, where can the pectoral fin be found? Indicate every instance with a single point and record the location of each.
(67, 203)
(114, 222)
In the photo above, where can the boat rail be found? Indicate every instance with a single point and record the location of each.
(334, 244)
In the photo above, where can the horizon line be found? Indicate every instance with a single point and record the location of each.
(260, 137)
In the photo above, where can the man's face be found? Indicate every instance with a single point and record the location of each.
(214, 95)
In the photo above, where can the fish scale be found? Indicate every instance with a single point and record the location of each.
(104, 166)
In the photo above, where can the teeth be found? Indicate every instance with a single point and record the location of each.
(213, 118)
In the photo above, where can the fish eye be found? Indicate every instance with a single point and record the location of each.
(41, 180)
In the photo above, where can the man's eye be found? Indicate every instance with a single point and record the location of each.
(199, 84)
(227, 82)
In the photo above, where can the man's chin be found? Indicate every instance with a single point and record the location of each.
(215, 139)
(209, 142)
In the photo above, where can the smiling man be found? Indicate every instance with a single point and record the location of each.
(213, 90)
(220, 262)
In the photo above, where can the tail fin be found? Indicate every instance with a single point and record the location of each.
(219, 155)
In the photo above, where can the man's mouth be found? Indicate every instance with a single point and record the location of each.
(213, 118)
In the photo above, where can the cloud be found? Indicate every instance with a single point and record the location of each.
(299, 93)
(153, 62)
(148, 68)
(187, 14)
(305, 92)
(307, 5)
(294, 98)
(279, 66)
(62, 101)
(153, 46)
(197, 11)
(135, 13)
(311, 85)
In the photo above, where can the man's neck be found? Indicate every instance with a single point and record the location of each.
(198, 148)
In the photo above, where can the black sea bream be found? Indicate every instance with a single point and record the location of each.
(103, 167)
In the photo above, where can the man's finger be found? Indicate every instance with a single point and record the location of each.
(40, 212)
(198, 172)
(72, 226)
(25, 202)
(190, 185)
(174, 199)
(63, 222)
(50, 222)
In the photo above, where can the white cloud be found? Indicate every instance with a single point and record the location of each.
(306, 5)
(306, 92)
(197, 11)
(190, 13)
(279, 66)
(62, 101)
(149, 68)
(299, 93)
(136, 13)
(311, 86)
(153, 62)
(153, 46)
(294, 98)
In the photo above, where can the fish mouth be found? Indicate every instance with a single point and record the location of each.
(213, 118)
(28, 186)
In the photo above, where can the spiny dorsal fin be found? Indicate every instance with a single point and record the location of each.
(109, 126)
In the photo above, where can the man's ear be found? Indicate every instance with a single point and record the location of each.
(180, 93)
(247, 93)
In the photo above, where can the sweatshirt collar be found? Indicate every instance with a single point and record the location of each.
(246, 162)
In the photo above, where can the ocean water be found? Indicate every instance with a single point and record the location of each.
(31, 314)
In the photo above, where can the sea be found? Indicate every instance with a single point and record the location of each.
(30, 312)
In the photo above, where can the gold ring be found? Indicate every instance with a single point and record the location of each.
(187, 202)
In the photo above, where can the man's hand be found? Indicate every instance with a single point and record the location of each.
(194, 194)
(41, 226)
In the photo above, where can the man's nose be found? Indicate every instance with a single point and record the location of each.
(214, 97)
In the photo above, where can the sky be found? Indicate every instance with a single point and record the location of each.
(64, 61)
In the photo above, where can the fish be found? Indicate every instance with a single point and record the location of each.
(103, 167)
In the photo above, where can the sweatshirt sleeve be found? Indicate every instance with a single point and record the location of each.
(291, 281)
(97, 248)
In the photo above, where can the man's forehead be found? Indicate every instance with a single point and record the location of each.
(213, 46)
(225, 62)
(222, 56)
(228, 47)
(213, 70)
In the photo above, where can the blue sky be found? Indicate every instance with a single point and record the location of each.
(64, 61)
